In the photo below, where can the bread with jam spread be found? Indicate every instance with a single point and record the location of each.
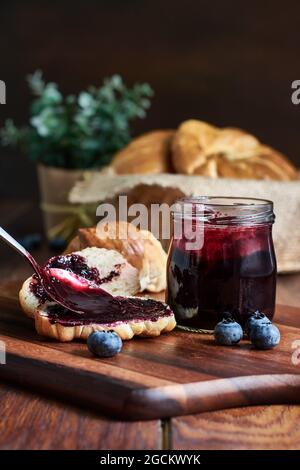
(113, 273)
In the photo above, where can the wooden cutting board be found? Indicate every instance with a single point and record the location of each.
(175, 374)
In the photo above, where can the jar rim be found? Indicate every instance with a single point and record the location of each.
(211, 201)
(225, 210)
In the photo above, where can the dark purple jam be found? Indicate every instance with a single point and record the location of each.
(38, 290)
(114, 310)
(234, 271)
(81, 290)
(75, 264)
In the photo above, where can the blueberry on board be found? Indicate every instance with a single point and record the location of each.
(265, 335)
(31, 241)
(228, 332)
(255, 319)
(57, 244)
(104, 343)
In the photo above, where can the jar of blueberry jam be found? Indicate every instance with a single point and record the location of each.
(221, 260)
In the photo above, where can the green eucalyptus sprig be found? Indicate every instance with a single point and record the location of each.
(81, 131)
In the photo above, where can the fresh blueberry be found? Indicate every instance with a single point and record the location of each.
(104, 343)
(255, 319)
(228, 332)
(57, 244)
(265, 335)
(31, 241)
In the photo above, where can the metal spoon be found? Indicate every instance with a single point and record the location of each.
(65, 288)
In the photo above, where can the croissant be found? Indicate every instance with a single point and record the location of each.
(149, 153)
(201, 149)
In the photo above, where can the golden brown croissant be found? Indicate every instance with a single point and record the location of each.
(201, 149)
(149, 153)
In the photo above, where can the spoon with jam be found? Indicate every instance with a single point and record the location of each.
(64, 287)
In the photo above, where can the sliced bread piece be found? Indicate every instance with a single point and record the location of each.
(106, 267)
(146, 317)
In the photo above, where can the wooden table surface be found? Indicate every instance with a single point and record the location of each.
(31, 421)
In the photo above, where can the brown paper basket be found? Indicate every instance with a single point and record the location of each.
(61, 219)
(167, 188)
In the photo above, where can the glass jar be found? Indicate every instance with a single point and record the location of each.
(221, 260)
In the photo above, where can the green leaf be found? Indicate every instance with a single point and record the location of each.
(36, 83)
(78, 132)
(86, 100)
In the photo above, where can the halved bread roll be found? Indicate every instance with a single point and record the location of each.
(140, 248)
(118, 277)
(162, 323)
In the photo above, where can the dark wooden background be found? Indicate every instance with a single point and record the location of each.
(229, 62)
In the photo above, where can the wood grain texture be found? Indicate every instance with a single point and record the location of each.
(86, 430)
(269, 428)
(171, 375)
(30, 422)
